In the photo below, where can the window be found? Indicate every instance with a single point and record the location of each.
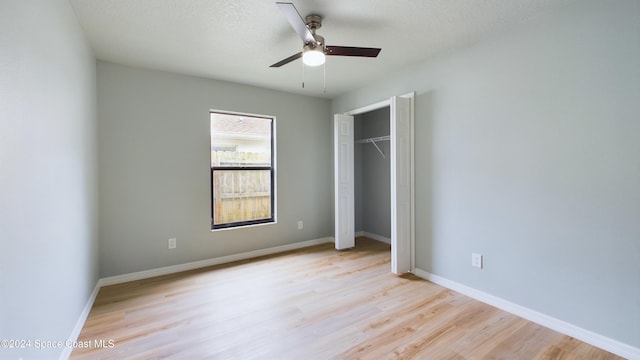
(242, 170)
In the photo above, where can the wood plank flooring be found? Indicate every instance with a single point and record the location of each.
(313, 303)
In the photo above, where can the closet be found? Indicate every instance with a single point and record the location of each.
(372, 175)
(400, 154)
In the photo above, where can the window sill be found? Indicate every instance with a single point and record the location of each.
(244, 226)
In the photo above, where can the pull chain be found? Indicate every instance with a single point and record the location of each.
(324, 77)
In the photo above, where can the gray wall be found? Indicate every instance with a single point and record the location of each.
(528, 151)
(48, 174)
(155, 169)
(373, 175)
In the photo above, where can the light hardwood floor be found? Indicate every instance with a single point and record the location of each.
(313, 303)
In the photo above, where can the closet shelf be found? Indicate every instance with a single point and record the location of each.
(373, 141)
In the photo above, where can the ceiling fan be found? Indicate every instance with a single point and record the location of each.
(314, 49)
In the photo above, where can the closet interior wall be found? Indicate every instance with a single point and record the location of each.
(372, 175)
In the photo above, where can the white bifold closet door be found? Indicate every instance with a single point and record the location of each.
(401, 170)
(400, 185)
(344, 182)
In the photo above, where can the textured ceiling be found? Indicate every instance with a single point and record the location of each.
(237, 40)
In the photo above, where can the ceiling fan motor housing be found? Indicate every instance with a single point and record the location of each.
(318, 44)
(314, 22)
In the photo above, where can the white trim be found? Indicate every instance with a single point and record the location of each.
(589, 337)
(371, 107)
(66, 352)
(372, 236)
(411, 96)
(118, 279)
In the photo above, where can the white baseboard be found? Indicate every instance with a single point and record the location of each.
(112, 280)
(383, 239)
(589, 337)
(66, 352)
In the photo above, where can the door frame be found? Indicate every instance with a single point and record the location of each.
(383, 104)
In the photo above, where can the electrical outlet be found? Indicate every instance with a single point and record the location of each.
(300, 225)
(172, 243)
(476, 260)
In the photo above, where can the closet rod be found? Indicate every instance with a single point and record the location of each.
(373, 141)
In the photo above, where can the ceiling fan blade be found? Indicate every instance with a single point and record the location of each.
(287, 60)
(296, 21)
(352, 51)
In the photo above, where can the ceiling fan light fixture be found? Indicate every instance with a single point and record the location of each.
(313, 57)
